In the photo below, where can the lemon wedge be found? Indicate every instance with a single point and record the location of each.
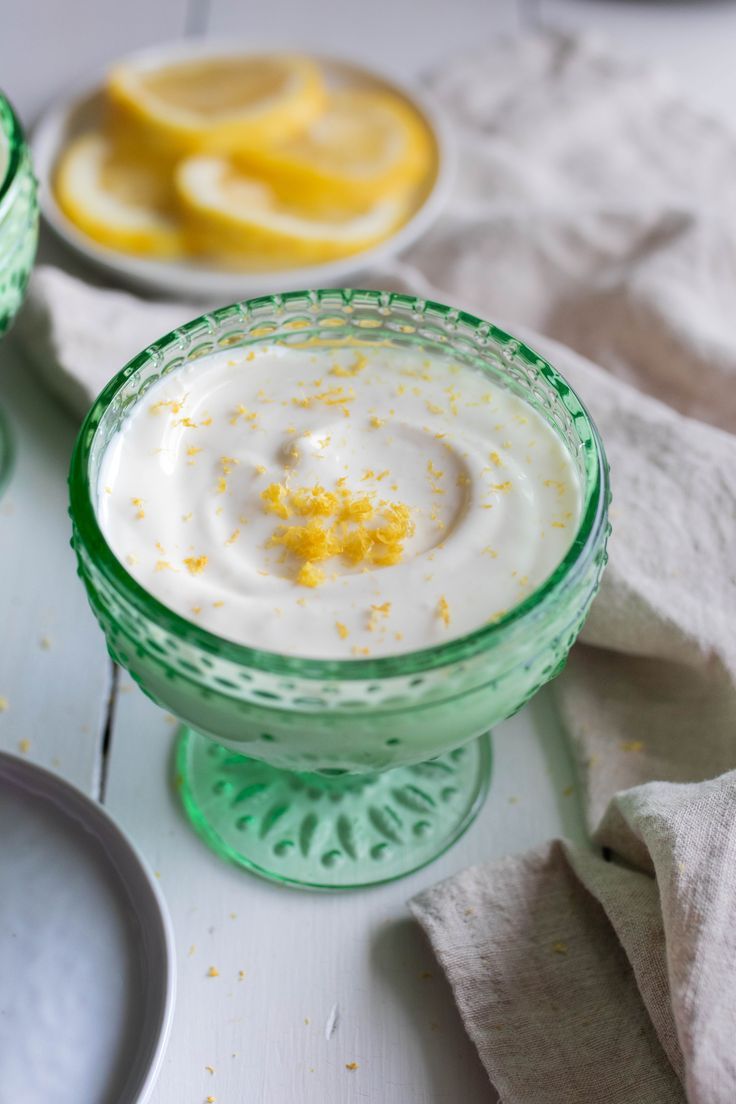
(364, 146)
(241, 218)
(120, 202)
(215, 104)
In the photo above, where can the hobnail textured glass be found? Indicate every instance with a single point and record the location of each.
(293, 785)
(18, 234)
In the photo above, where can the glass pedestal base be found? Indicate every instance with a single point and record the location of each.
(323, 831)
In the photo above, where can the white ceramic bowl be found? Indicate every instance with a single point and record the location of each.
(82, 110)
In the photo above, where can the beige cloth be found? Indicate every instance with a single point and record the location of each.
(592, 204)
(579, 979)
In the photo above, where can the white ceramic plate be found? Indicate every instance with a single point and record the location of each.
(197, 281)
(86, 950)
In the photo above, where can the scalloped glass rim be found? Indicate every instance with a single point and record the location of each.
(582, 549)
(13, 135)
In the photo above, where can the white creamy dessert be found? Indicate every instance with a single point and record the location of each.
(337, 502)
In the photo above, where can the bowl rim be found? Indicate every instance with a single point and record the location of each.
(202, 283)
(12, 132)
(591, 533)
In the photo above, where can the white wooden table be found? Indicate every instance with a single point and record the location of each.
(304, 955)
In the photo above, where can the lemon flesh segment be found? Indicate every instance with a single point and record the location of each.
(215, 104)
(243, 221)
(364, 146)
(118, 201)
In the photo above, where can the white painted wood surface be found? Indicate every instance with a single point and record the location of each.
(304, 955)
(54, 674)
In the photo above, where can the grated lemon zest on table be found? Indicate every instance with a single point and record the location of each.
(342, 630)
(443, 610)
(377, 422)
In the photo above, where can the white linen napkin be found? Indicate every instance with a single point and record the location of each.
(593, 204)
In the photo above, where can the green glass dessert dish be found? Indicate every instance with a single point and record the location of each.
(18, 235)
(339, 773)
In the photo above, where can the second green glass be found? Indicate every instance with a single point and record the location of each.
(340, 773)
(18, 236)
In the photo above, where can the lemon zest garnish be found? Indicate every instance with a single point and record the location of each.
(243, 412)
(233, 537)
(357, 366)
(443, 610)
(195, 564)
(193, 450)
(309, 575)
(342, 630)
(174, 406)
(377, 422)
(274, 500)
(344, 531)
(559, 487)
(502, 487)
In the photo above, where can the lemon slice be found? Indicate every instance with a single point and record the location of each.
(242, 219)
(216, 104)
(120, 202)
(364, 146)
